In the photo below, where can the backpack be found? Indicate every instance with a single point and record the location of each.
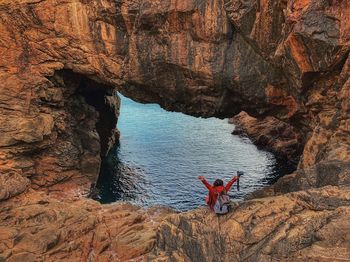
(222, 204)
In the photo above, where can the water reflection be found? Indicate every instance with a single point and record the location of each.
(161, 154)
(121, 181)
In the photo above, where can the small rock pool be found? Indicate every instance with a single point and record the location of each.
(161, 154)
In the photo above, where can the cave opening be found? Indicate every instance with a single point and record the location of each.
(106, 102)
(160, 154)
(85, 123)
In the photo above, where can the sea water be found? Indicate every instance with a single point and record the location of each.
(161, 154)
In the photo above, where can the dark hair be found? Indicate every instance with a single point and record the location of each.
(218, 182)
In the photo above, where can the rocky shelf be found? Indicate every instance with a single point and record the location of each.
(285, 63)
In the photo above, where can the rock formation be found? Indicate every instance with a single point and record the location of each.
(41, 228)
(270, 133)
(286, 59)
(309, 225)
(57, 94)
(61, 64)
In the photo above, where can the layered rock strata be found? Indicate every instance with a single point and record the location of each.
(191, 57)
(57, 100)
(310, 225)
(61, 64)
(42, 228)
(271, 134)
(286, 59)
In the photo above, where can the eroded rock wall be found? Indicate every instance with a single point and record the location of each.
(187, 56)
(309, 40)
(52, 55)
(209, 58)
(61, 63)
(270, 134)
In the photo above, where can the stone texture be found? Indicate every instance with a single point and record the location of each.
(40, 228)
(311, 225)
(187, 56)
(270, 133)
(61, 64)
(12, 184)
(308, 225)
(286, 59)
(56, 91)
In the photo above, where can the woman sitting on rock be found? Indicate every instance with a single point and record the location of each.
(218, 199)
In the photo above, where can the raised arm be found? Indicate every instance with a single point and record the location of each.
(205, 182)
(230, 183)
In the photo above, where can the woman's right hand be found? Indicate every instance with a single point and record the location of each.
(201, 178)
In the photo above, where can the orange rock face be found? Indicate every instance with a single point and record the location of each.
(303, 226)
(61, 63)
(39, 228)
(213, 58)
(306, 225)
(270, 133)
(48, 119)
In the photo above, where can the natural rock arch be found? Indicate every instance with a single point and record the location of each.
(288, 59)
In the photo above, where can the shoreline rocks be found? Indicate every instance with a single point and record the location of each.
(61, 65)
(270, 134)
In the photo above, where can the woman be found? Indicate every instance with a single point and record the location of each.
(216, 189)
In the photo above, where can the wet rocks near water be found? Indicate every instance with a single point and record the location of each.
(271, 134)
(286, 59)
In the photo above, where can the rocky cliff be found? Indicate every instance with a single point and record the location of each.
(58, 104)
(61, 65)
(309, 225)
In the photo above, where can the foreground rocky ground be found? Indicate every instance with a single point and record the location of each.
(36, 227)
(310, 225)
(61, 62)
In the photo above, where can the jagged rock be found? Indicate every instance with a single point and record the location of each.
(335, 173)
(187, 56)
(61, 64)
(48, 118)
(12, 184)
(293, 227)
(270, 133)
(41, 228)
(208, 58)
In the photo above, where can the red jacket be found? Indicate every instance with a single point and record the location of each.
(211, 198)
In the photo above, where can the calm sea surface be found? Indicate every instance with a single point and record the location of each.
(161, 154)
